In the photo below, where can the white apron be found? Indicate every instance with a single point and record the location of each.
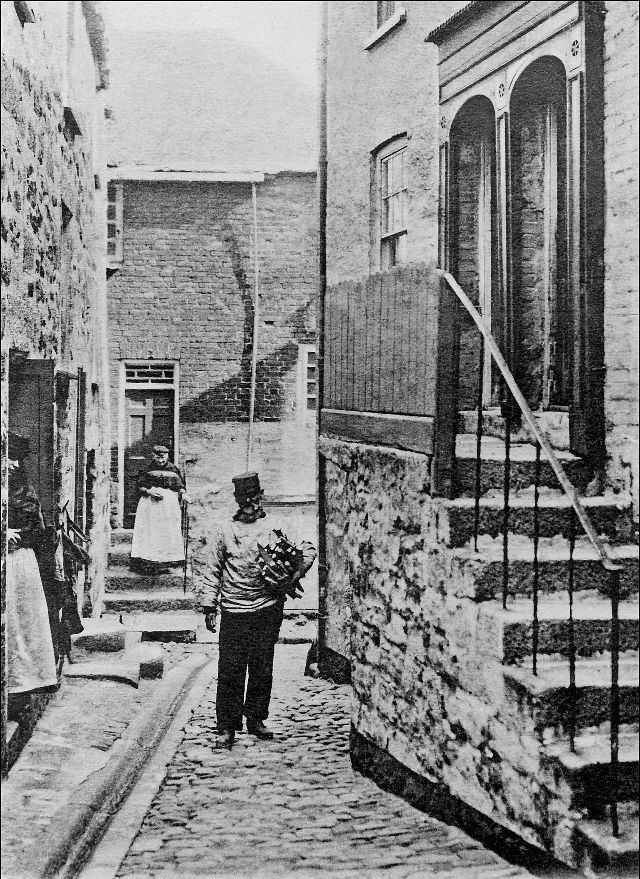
(157, 536)
(30, 657)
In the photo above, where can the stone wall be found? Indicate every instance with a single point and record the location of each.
(426, 651)
(621, 243)
(53, 271)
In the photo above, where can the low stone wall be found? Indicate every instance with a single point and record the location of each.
(426, 656)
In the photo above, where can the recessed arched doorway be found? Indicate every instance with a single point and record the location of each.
(473, 250)
(542, 313)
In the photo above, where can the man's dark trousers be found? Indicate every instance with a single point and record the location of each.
(247, 642)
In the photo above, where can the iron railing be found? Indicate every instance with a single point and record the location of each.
(578, 515)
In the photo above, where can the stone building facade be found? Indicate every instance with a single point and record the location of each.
(447, 710)
(54, 355)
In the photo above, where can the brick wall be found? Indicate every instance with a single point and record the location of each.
(53, 281)
(621, 243)
(186, 286)
(185, 292)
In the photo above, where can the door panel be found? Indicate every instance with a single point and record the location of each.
(31, 408)
(149, 421)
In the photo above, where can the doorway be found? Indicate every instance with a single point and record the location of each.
(149, 417)
(542, 311)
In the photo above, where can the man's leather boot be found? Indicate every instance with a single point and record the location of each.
(257, 728)
(225, 738)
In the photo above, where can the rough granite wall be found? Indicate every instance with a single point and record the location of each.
(426, 652)
(621, 243)
(53, 281)
(373, 95)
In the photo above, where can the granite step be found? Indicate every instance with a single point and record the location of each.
(591, 626)
(545, 697)
(482, 570)
(586, 773)
(611, 516)
(522, 470)
(600, 853)
(147, 601)
(120, 578)
(168, 626)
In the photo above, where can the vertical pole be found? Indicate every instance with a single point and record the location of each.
(254, 341)
(614, 583)
(321, 322)
(536, 562)
(573, 696)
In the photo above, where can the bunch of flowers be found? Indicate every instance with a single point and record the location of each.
(278, 561)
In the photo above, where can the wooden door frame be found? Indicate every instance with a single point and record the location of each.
(122, 417)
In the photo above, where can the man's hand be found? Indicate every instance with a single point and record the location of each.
(14, 538)
(210, 619)
(294, 589)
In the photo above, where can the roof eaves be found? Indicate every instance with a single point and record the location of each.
(458, 19)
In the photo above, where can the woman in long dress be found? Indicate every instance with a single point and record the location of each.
(157, 535)
(30, 654)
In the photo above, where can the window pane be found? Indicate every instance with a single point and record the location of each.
(111, 230)
(111, 192)
(111, 248)
(311, 357)
(311, 402)
(111, 212)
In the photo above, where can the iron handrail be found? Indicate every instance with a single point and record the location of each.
(565, 483)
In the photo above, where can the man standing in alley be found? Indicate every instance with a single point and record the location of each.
(251, 607)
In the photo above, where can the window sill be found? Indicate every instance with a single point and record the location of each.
(390, 24)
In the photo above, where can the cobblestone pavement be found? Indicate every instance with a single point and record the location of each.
(292, 807)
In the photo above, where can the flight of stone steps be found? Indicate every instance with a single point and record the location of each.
(577, 785)
(161, 606)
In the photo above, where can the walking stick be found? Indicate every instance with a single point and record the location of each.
(185, 535)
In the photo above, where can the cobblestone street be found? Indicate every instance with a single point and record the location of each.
(291, 807)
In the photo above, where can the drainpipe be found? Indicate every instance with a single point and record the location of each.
(254, 340)
(322, 286)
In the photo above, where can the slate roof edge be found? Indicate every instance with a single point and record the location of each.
(458, 19)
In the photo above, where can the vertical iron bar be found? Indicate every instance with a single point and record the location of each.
(479, 426)
(571, 634)
(506, 510)
(615, 697)
(536, 566)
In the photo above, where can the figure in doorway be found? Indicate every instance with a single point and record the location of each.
(157, 536)
(247, 552)
(30, 654)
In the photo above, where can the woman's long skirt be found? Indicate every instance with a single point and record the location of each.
(157, 535)
(30, 657)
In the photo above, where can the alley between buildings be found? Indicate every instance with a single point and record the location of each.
(291, 807)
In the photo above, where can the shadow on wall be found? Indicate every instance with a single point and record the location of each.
(229, 400)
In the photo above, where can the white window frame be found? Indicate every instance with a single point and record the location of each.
(115, 259)
(390, 236)
(304, 413)
(124, 386)
(390, 23)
